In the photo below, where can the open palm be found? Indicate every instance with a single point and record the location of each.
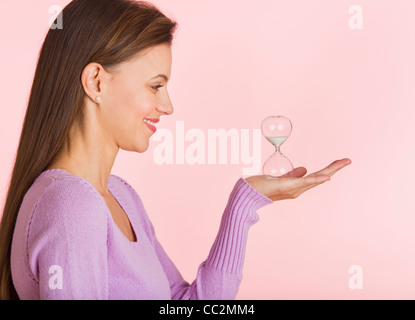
(286, 187)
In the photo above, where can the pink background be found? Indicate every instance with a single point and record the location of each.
(349, 93)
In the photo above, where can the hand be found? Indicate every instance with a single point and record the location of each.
(285, 187)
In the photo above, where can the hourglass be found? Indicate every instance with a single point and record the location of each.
(277, 129)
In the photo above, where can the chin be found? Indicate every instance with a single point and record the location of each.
(141, 148)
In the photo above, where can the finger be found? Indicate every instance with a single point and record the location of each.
(296, 173)
(310, 181)
(332, 168)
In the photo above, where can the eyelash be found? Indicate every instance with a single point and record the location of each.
(156, 87)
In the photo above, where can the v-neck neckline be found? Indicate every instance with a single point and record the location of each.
(123, 206)
(115, 194)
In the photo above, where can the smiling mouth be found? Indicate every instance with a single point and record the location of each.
(150, 124)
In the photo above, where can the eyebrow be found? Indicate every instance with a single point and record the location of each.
(161, 76)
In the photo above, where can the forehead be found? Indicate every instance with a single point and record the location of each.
(152, 61)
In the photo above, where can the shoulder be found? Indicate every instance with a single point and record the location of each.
(67, 203)
(69, 192)
(64, 222)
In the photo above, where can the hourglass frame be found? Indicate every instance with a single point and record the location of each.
(276, 130)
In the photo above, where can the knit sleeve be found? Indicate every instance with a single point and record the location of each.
(66, 243)
(219, 276)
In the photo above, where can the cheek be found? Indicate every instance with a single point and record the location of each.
(142, 106)
(132, 100)
(131, 131)
(130, 107)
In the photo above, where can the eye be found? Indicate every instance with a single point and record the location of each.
(157, 87)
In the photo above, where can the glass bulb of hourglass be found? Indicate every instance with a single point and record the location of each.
(277, 129)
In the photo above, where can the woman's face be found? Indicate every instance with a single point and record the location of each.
(134, 92)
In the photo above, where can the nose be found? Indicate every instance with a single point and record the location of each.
(166, 107)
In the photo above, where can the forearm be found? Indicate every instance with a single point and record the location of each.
(219, 276)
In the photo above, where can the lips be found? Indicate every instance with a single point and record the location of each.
(153, 120)
(150, 124)
(152, 128)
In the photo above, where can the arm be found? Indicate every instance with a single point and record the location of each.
(219, 276)
(66, 243)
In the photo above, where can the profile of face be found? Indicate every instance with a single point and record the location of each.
(132, 97)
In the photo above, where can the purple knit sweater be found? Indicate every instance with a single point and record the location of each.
(67, 246)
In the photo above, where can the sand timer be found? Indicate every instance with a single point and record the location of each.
(277, 129)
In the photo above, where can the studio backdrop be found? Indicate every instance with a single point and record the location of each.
(342, 71)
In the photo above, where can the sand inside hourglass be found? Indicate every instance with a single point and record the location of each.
(276, 141)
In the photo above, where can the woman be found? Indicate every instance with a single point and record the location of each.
(71, 229)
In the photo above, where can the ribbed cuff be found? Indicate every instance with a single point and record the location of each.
(228, 251)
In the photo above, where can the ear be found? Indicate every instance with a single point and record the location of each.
(91, 79)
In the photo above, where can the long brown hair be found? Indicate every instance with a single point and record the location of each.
(107, 32)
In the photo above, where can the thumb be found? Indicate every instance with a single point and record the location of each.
(296, 173)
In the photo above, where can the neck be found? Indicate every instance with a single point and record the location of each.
(87, 153)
